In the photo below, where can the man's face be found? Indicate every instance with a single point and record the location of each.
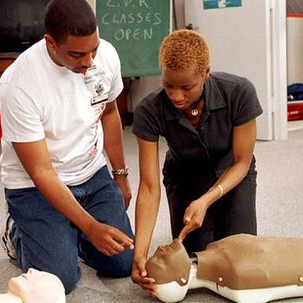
(76, 53)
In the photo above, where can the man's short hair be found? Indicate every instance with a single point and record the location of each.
(184, 50)
(69, 17)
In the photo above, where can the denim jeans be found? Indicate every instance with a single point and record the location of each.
(46, 240)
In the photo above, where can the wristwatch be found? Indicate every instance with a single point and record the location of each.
(121, 171)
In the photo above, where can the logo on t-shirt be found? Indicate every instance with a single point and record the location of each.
(99, 96)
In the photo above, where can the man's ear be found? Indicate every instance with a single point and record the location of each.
(50, 42)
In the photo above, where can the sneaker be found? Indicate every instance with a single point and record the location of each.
(6, 241)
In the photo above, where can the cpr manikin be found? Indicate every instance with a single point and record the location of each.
(34, 286)
(242, 268)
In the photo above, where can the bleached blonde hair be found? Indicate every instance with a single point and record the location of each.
(184, 50)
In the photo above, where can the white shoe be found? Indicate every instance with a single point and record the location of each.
(6, 241)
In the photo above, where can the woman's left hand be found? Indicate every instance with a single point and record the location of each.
(193, 217)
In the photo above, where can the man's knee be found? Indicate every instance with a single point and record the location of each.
(69, 278)
(118, 266)
(123, 269)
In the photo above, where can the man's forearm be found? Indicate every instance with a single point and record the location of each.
(113, 138)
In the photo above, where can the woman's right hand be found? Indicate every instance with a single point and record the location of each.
(193, 217)
(139, 276)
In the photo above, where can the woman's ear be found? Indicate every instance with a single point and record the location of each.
(207, 72)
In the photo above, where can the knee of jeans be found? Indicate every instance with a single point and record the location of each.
(119, 266)
(69, 279)
(122, 271)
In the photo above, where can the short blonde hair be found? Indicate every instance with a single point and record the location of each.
(184, 50)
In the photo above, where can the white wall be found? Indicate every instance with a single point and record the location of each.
(294, 50)
(92, 4)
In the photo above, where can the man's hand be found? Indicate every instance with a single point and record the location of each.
(108, 239)
(139, 276)
(122, 182)
(193, 217)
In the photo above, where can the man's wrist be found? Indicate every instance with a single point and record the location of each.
(121, 171)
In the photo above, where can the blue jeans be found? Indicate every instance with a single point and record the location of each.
(46, 240)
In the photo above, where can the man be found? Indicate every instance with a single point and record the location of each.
(58, 112)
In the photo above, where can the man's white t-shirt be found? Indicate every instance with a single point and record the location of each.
(40, 99)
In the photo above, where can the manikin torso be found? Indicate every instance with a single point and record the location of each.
(34, 286)
(242, 268)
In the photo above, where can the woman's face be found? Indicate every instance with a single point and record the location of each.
(183, 88)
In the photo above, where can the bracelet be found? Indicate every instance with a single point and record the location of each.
(121, 171)
(221, 190)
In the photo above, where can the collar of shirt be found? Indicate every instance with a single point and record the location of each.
(212, 97)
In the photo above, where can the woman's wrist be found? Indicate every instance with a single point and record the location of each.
(218, 190)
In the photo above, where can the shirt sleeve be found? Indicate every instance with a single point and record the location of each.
(108, 54)
(146, 121)
(21, 121)
(246, 105)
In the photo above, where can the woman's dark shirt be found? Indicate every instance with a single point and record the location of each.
(229, 101)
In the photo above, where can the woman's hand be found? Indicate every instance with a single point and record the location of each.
(139, 276)
(193, 217)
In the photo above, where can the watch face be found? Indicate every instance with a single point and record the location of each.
(125, 171)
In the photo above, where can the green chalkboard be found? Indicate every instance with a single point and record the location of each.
(136, 29)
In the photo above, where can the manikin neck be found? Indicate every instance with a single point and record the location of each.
(10, 298)
(194, 282)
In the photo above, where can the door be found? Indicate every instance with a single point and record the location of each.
(249, 40)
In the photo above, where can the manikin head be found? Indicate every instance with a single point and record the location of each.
(170, 263)
(34, 286)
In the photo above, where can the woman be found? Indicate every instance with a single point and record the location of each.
(209, 123)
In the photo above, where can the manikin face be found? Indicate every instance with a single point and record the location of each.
(76, 53)
(37, 286)
(183, 88)
(169, 263)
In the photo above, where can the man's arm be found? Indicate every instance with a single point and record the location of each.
(113, 145)
(34, 157)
